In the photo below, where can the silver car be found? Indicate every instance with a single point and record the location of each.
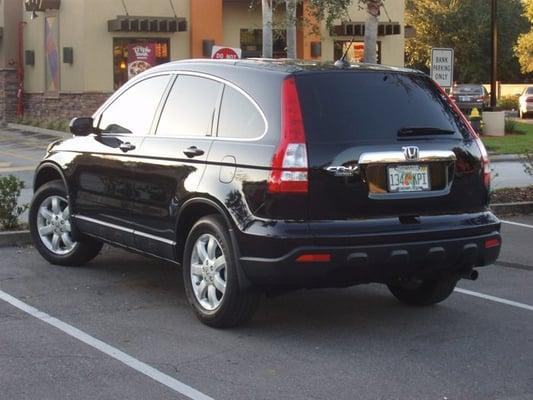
(525, 102)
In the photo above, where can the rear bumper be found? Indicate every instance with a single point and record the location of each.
(372, 258)
(470, 105)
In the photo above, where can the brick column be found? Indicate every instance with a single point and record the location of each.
(8, 94)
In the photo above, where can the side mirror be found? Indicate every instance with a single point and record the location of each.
(82, 126)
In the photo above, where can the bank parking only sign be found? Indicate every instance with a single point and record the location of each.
(442, 67)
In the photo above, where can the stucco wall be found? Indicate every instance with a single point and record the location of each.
(83, 26)
(392, 47)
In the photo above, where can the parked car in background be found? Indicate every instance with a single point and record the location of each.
(261, 176)
(525, 102)
(469, 96)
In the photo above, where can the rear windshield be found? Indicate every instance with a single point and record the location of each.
(372, 106)
(468, 89)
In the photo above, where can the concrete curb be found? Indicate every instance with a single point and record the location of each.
(520, 208)
(505, 157)
(15, 238)
(41, 131)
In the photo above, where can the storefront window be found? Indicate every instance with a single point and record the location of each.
(252, 43)
(356, 51)
(134, 55)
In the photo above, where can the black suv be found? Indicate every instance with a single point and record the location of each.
(265, 176)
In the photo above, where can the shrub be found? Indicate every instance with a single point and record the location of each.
(528, 163)
(10, 211)
(510, 126)
(508, 102)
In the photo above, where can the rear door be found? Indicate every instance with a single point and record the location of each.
(386, 144)
(173, 161)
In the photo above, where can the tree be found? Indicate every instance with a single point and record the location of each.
(524, 45)
(290, 6)
(465, 26)
(267, 28)
(332, 10)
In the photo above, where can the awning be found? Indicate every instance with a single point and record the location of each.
(358, 29)
(128, 23)
(42, 5)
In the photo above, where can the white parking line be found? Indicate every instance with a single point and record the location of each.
(518, 224)
(111, 351)
(494, 298)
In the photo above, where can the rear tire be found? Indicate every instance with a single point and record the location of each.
(210, 276)
(51, 229)
(428, 292)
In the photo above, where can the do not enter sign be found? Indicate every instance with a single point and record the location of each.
(221, 52)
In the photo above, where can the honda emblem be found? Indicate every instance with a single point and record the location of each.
(411, 152)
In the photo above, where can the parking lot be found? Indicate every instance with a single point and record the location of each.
(120, 327)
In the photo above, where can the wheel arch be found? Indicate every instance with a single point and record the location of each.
(194, 209)
(46, 172)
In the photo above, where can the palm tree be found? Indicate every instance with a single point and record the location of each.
(267, 28)
(371, 29)
(291, 28)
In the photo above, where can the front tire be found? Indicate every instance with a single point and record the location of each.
(51, 229)
(210, 276)
(426, 292)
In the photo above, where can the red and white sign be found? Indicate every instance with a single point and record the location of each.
(140, 58)
(221, 52)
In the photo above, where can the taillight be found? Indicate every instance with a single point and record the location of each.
(485, 163)
(529, 100)
(289, 164)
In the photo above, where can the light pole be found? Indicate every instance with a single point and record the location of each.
(494, 55)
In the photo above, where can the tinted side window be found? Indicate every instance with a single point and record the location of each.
(190, 107)
(133, 111)
(239, 117)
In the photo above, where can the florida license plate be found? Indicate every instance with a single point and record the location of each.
(408, 178)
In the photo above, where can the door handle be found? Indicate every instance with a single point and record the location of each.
(193, 151)
(125, 147)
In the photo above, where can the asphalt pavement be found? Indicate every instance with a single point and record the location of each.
(356, 343)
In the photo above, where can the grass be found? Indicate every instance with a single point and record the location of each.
(518, 143)
(54, 124)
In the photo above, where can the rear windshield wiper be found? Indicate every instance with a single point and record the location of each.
(423, 131)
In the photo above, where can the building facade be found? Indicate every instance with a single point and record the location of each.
(75, 53)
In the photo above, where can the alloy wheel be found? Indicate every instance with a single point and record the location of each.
(208, 272)
(53, 225)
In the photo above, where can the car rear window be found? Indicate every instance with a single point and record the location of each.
(468, 89)
(372, 106)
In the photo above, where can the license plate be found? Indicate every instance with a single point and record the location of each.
(465, 98)
(408, 178)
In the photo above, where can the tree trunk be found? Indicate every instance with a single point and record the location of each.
(371, 31)
(291, 28)
(267, 28)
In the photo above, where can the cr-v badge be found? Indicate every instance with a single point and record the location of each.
(344, 170)
(411, 152)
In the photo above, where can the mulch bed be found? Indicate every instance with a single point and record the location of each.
(512, 195)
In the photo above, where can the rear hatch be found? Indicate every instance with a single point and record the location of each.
(386, 143)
